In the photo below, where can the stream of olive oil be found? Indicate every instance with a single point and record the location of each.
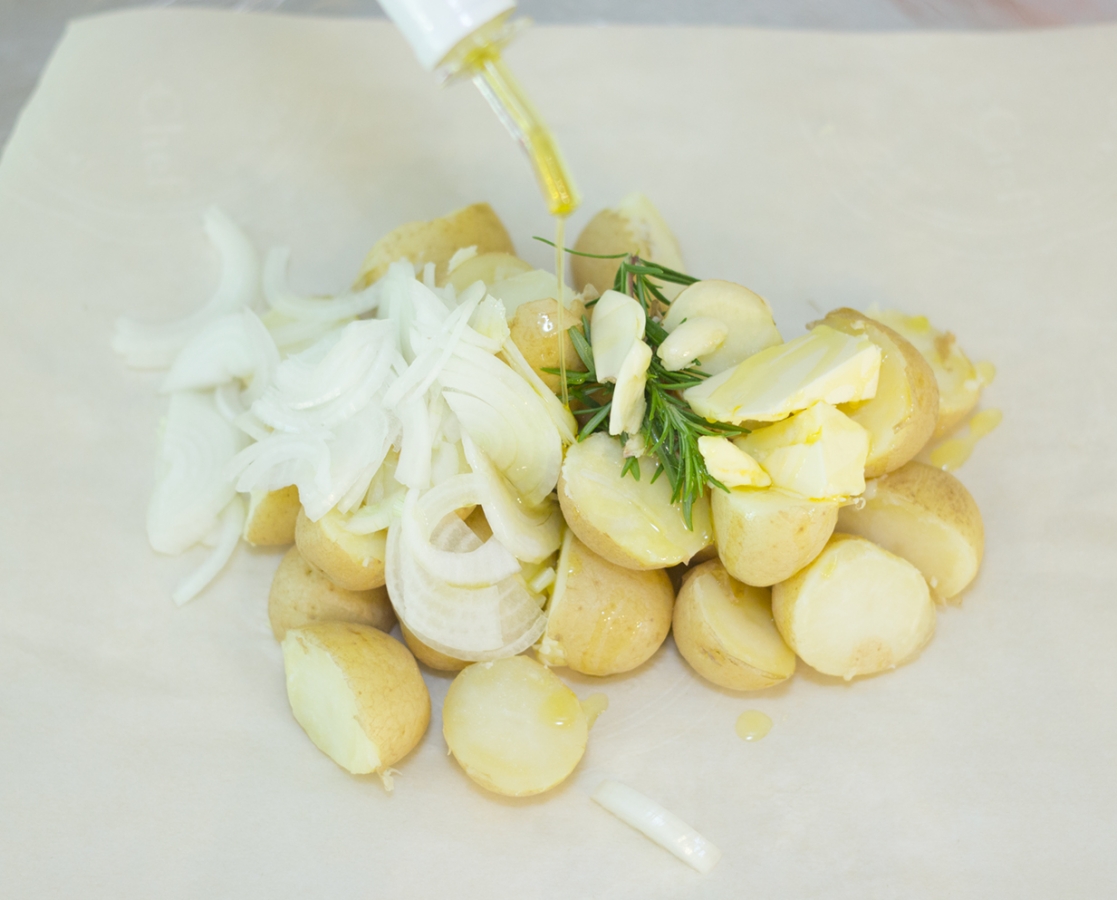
(560, 274)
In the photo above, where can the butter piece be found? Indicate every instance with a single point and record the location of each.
(822, 365)
(730, 465)
(819, 453)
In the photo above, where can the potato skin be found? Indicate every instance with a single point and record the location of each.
(301, 595)
(436, 241)
(393, 703)
(908, 435)
(607, 619)
(606, 233)
(534, 330)
(271, 520)
(351, 561)
(703, 648)
(428, 656)
(765, 536)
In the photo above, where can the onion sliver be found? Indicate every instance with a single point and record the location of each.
(655, 822)
(232, 524)
(154, 346)
(530, 533)
(230, 347)
(194, 486)
(487, 564)
(283, 300)
(562, 417)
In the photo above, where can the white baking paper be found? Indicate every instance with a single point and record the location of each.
(148, 751)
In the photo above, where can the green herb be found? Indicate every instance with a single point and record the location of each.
(670, 428)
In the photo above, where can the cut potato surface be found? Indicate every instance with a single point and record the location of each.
(746, 316)
(352, 561)
(357, 693)
(926, 516)
(437, 241)
(901, 417)
(628, 522)
(271, 517)
(724, 629)
(765, 536)
(513, 726)
(301, 595)
(958, 379)
(487, 267)
(822, 365)
(856, 610)
(603, 618)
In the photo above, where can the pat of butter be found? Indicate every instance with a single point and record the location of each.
(822, 365)
(730, 465)
(819, 453)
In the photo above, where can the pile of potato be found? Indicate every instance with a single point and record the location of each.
(847, 583)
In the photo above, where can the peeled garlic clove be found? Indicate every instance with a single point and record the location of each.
(617, 324)
(690, 340)
(627, 412)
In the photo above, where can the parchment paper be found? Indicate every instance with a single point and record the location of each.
(148, 751)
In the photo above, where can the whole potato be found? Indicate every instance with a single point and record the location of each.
(631, 523)
(724, 630)
(901, 417)
(301, 595)
(436, 241)
(604, 619)
(535, 328)
(766, 535)
(352, 561)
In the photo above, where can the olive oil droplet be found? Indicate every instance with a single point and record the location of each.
(560, 708)
(593, 706)
(752, 725)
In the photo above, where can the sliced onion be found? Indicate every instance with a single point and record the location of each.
(655, 822)
(232, 524)
(154, 346)
(414, 468)
(485, 565)
(194, 487)
(283, 300)
(562, 417)
(531, 533)
(236, 346)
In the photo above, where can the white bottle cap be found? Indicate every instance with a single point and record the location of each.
(434, 27)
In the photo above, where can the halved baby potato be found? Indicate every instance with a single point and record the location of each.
(352, 561)
(633, 226)
(535, 330)
(428, 656)
(926, 516)
(959, 380)
(856, 610)
(513, 726)
(436, 241)
(271, 517)
(357, 693)
(724, 629)
(603, 618)
(301, 595)
(901, 417)
(767, 535)
(631, 523)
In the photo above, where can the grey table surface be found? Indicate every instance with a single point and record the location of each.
(29, 29)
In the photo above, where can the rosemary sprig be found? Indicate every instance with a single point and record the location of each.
(670, 428)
